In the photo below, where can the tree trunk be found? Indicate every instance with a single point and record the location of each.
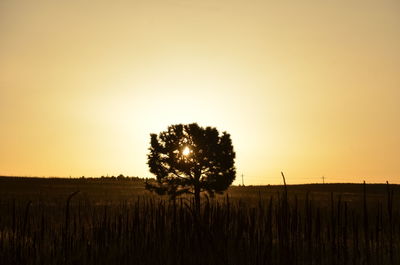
(197, 197)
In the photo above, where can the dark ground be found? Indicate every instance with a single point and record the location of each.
(113, 190)
(116, 221)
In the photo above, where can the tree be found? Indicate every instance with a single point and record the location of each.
(191, 159)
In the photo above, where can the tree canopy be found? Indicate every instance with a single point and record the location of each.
(191, 159)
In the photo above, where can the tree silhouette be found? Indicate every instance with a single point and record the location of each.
(191, 159)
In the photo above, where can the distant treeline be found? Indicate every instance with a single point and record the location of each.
(119, 177)
(122, 177)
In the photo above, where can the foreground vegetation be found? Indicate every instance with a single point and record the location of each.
(46, 221)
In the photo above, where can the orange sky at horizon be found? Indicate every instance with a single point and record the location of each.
(310, 88)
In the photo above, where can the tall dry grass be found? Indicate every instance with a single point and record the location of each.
(280, 229)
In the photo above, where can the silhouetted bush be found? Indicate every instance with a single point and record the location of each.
(189, 159)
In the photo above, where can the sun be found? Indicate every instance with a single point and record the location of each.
(186, 151)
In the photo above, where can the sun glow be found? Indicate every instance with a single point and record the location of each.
(153, 64)
(186, 151)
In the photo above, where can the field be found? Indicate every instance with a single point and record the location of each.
(104, 221)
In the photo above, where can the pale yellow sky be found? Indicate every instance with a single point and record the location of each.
(311, 88)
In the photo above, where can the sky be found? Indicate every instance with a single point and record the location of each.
(310, 88)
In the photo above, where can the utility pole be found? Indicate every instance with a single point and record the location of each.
(242, 180)
(323, 179)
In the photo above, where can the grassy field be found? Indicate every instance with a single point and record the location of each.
(104, 221)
